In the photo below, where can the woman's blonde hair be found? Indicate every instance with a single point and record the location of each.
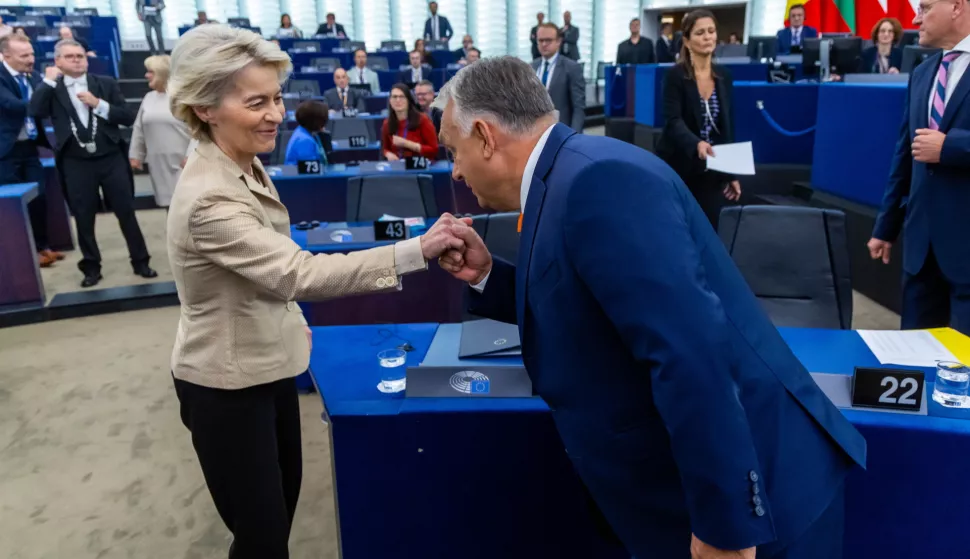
(160, 65)
(204, 64)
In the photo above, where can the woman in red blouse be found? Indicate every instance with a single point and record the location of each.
(407, 131)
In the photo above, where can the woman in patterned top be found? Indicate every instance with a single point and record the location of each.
(698, 115)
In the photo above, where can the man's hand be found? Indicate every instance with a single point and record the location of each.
(879, 249)
(442, 237)
(474, 264)
(136, 164)
(88, 99)
(927, 145)
(700, 550)
(52, 73)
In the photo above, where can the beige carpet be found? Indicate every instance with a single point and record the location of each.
(94, 461)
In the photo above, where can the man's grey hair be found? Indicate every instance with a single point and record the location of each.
(504, 90)
(64, 43)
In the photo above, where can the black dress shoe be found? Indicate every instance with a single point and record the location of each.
(91, 280)
(145, 272)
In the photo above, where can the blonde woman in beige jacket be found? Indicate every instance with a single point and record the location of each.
(241, 337)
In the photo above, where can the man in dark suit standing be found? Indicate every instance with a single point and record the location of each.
(562, 77)
(540, 18)
(343, 96)
(790, 39)
(696, 430)
(437, 28)
(666, 49)
(927, 195)
(637, 49)
(20, 135)
(415, 72)
(424, 93)
(332, 28)
(570, 37)
(86, 111)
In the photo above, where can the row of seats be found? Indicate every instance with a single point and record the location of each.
(795, 259)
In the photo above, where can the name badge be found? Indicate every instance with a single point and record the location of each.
(309, 167)
(394, 230)
(893, 389)
(416, 163)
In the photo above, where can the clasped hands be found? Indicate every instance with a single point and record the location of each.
(458, 248)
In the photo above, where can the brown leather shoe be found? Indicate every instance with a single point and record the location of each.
(45, 261)
(54, 254)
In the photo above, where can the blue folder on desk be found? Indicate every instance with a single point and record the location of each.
(489, 338)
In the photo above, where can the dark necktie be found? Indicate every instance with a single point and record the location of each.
(29, 125)
(545, 72)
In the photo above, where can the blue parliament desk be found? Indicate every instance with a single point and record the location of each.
(857, 130)
(431, 296)
(324, 197)
(20, 281)
(485, 478)
(60, 235)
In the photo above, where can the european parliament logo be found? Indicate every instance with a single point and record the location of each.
(469, 382)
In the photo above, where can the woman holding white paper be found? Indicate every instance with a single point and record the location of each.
(698, 115)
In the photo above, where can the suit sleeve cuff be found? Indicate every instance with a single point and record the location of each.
(102, 109)
(480, 286)
(408, 257)
(51, 83)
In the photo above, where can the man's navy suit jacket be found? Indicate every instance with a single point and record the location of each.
(679, 403)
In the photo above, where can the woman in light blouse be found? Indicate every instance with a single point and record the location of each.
(158, 137)
(241, 337)
(287, 30)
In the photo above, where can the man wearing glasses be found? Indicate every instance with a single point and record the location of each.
(927, 190)
(562, 77)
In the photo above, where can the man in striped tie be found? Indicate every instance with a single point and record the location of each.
(929, 186)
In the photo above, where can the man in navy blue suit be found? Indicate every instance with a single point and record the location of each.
(790, 38)
(695, 428)
(927, 196)
(20, 135)
(437, 28)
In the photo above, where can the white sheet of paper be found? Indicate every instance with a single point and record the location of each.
(409, 221)
(734, 159)
(917, 348)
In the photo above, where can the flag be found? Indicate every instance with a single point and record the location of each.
(868, 13)
(828, 16)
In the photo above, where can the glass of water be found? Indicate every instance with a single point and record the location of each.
(392, 363)
(952, 382)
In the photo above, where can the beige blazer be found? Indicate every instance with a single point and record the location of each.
(238, 274)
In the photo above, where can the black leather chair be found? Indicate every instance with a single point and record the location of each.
(303, 88)
(795, 259)
(278, 155)
(370, 197)
(343, 128)
(500, 233)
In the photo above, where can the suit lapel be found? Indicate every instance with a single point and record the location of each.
(924, 86)
(694, 100)
(531, 213)
(11, 83)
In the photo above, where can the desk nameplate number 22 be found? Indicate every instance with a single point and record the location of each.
(891, 389)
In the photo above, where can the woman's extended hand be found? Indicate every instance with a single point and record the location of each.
(703, 150)
(733, 191)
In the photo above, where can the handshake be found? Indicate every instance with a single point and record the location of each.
(458, 248)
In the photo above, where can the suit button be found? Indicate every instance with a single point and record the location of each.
(753, 476)
(755, 489)
(381, 283)
(759, 511)
(391, 281)
(756, 500)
